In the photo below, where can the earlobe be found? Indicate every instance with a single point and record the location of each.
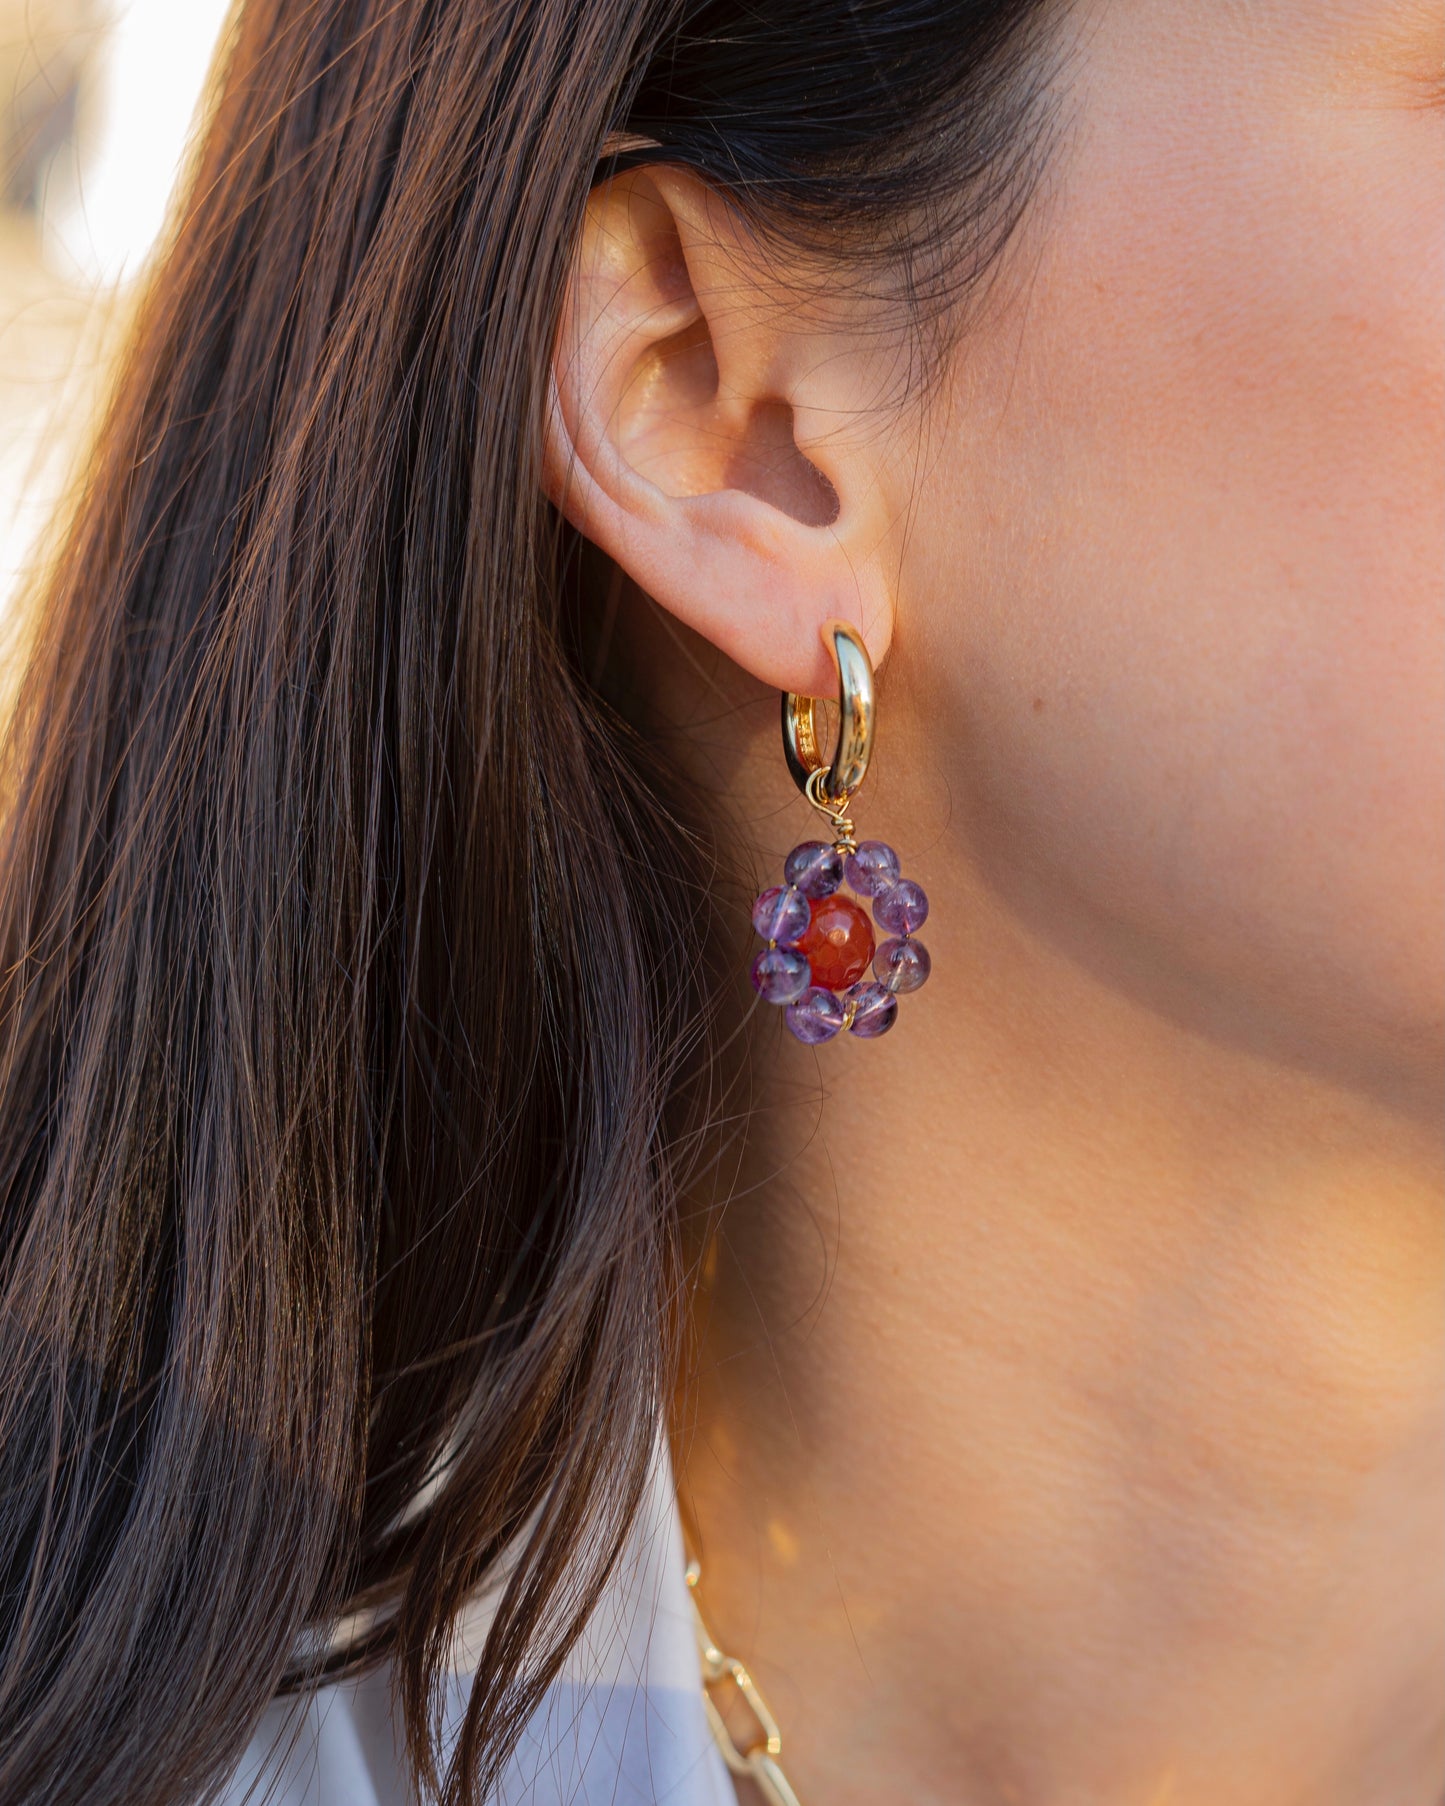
(671, 435)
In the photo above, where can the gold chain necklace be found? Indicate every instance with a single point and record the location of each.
(758, 1760)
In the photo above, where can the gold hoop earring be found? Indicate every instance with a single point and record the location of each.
(833, 784)
(820, 944)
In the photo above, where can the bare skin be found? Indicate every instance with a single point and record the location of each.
(1071, 1424)
(1070, 1428)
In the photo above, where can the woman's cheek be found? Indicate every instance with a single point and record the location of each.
(1199, 477)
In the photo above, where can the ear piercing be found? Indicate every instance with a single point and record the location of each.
(821, 943)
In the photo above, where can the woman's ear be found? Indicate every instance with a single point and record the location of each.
(706, 436)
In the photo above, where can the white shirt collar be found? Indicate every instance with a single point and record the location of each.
(622, 1726)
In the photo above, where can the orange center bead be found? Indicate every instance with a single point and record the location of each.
(838, 943)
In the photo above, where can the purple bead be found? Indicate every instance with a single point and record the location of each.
(816, 1016)
(780, 975)
(875, 1009)
(901, 908)
(902, 966)
(872, 868)
(815, 868)
(782, 915)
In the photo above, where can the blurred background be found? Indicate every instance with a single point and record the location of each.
(97, 102)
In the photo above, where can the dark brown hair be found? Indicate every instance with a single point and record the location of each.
(351, 942)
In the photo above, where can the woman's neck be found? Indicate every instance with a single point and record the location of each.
(1071, 1421)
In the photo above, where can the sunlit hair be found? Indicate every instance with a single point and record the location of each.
(355, 952)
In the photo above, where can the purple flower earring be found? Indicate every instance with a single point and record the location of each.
(820, 944)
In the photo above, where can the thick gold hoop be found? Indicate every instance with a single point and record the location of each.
(857, 719)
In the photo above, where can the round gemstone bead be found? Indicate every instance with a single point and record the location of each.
(816, 1016)
(875, 1009)
(782, 915)
(839, 942)
(780, 975)
(902, 965)
(872, 868)
(815, 868)
(901, 908)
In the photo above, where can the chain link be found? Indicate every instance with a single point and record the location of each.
(758, 1762)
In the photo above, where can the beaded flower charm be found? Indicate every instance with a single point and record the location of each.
(821, 944)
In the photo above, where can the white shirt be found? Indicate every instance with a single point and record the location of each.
(623, 1725)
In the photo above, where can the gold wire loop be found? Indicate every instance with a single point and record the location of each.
(837, 813)
(836, 781)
